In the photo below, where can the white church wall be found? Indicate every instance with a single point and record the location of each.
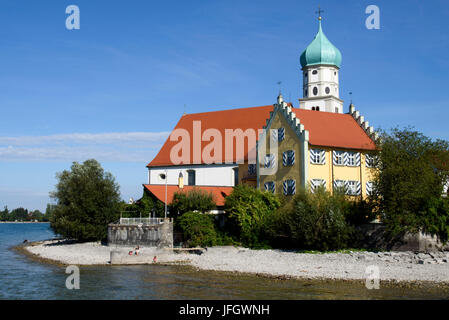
(205, 175)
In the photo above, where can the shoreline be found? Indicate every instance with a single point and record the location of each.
(324, 267)
(24, 221)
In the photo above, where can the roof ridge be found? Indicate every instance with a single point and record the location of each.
(239, 108)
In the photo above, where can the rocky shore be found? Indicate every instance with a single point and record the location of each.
(392, 266)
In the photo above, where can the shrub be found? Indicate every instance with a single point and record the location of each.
(198, 229)
(247, 210)
(312, 221)
(193, 200)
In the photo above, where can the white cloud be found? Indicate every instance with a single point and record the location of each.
(113, 146)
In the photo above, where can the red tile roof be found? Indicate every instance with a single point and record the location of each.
(245, 118)
(325, 129)
(330, 129)
(219, 193)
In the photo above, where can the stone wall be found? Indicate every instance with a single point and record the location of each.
(374, 238)
(158, 235)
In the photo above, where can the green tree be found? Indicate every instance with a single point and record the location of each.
(409, 183)
(248, 210)
(313, 221)
(87, 200)
(19, 214)
(4, 215)
(192, 200)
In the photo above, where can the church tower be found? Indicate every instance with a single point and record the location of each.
(320, 64)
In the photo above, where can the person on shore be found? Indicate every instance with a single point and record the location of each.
(154, 259)
(136, 250)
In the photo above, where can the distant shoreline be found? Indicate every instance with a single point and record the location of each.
(24, 222)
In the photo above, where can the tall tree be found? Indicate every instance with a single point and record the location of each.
(87, 200)
(412, 169)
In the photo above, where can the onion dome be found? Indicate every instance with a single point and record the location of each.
(320, 51)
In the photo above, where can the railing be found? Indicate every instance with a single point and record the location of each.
(142, 221)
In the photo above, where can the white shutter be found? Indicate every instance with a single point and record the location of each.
(322, 156)
(357, 159)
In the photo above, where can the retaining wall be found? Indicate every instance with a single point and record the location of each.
(158, 235)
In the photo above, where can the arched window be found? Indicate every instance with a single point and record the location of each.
(317, 109)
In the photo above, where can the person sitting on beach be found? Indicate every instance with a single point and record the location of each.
(130, 252)
(136, 252)
(154, 259)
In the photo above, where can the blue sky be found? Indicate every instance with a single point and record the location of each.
(114, 89)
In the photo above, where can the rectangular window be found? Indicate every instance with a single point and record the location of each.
(269, 161)
(317, 156)
(270, 186)
(191, 177)
(288, 158)
(352, 188)
(281, 134)
(289, 187)
(338, 158)
(251, 169)
(350, 159)
(339, 185)
(369, 161)
(236, 176)
(316, 183)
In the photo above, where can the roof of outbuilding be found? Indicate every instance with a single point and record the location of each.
(219, 193)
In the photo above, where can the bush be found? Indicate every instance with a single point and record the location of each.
(88, 199)
(198, 229)
(193, 200)
(312, 221)
(248, 209)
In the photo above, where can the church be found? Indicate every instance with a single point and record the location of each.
(317, 144)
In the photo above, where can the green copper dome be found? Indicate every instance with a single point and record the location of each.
(320, 51)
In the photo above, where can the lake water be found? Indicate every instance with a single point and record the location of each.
(23, 278)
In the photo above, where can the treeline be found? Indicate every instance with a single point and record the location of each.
(22, 214)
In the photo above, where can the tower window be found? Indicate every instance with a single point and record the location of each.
(317, 108)
(335, 73)
(305, 93)
(313, 108)
(328, 90)
(314, 72)
(336, 110)
(315, 91)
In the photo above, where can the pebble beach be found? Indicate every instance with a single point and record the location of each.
(392, 266)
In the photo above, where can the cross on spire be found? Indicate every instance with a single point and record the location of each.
(319, 12)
